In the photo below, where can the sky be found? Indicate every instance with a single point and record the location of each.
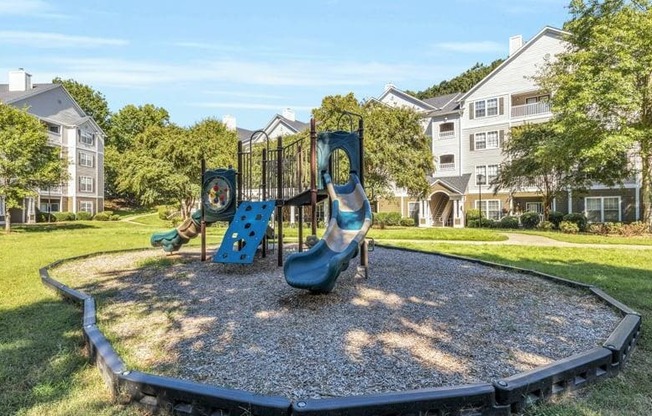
(253, 59)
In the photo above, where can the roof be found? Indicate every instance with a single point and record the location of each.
(9, 97)
(454, 183)
(445, 104)
(544, 31)
(295, 125)
(243, 134)
(421, 103)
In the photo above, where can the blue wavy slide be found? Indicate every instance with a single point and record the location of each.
(318, 269)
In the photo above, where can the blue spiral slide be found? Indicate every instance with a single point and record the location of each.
(317, 270)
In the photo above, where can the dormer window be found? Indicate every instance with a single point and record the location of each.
(54, 129)
(87, 138)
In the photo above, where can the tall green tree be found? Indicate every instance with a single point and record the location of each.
(602, 91)
(27, 162)
(393, 140)
(91, 101)
(533, 160)
(163, 164)
(460, 83)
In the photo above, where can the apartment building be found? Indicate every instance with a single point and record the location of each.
(81, 141)
(468, 131)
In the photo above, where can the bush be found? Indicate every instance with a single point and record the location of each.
(386, 218)
(635, 228)
(530, 220)
(114, 217)
(64, 216)
(578, 218)
(472, 214)
(84, 216)
(508, 222)
(408, 222)
(555, 217)
(102, 216)
(45, 217)
(569, 227)
(596, 228)
(546, 226)
(167, 212)
(486, 223)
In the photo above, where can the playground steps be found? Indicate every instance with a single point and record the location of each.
(245, 233)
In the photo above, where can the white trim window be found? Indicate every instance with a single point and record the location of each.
(85, 184)
(492, 107)
(485, 108)
(490, 208)
(447, 130)
(50, 205)
(86, 159)
(534, 207)
(87, 138)
(603, 208)
(54, 129)
(490, 172)
(487, 140)
(86, 206)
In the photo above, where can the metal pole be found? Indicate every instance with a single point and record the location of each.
(279, 198)
(239, 174)
(264, 198)
(313, 176)
(201, 207)
(364, 249)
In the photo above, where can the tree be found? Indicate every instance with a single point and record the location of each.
(126, 124)
(533, 160)
(461, 83)
(91, 101)
(602, 90)
(27, 162)
(163, 164)
(393, 139)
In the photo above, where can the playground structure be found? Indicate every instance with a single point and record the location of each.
(281, 182)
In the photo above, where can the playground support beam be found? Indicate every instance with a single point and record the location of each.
(279, 198)
(313, 176)
(201, 206)
(364, 249)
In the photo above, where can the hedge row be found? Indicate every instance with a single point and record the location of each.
(80, 216)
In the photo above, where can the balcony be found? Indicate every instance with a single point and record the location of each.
(446, 135)
(55, 190)
(446, 166)
(528, 110)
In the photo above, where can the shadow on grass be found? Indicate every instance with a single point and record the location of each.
(41, 350)
(51, 227)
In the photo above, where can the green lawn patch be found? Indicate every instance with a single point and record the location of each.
(592, 238)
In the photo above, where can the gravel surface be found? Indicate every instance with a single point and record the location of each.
(418, 321)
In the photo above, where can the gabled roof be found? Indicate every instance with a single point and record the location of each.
(9, 97)
(454, 183)
(447, 102)
(293, 125)
(407, 97)
(243, 134)
(546, 30)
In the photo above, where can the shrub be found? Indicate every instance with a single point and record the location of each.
(64, 216)
(578, 218)
(546, 226)
(101, 216)
(486, 223)
(84, 216)
(555, 217)
(408, 222)
(167, 212)
(530, 220)
(472, 214)
(114, 217)
(45, 217)
(612, 227)
(596, 228)
(635, 228)
(508, 222)
(569, 227)
(386, 218)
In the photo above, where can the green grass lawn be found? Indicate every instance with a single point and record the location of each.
(592, 238)
(43, 370)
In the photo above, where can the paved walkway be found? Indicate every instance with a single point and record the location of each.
(516, 239)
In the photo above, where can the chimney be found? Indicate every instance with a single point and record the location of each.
(20, 80)
(229, 122)
(515, 43)
(289, 114)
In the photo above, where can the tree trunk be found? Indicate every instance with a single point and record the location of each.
(7, 220)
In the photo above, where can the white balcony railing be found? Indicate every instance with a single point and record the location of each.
(447, 134)
(447, 166)
(533, 109)
(55, 190)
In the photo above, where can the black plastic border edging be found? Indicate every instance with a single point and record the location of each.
(501, 398)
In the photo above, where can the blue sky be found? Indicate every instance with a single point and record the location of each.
(252, 59)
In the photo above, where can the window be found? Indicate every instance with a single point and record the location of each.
(87, 138)
(85, 159)
(488, 172)
(413, 210)
(86, 206)
(603, 209)
(49, 205)
(534, 207)
(85, 184)
(488, 140)
(490, 208)
(54, 129)
(539, 99)
(447, 162)
(486, 108)
(492, 107)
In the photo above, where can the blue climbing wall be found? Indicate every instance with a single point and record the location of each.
(245, 233)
